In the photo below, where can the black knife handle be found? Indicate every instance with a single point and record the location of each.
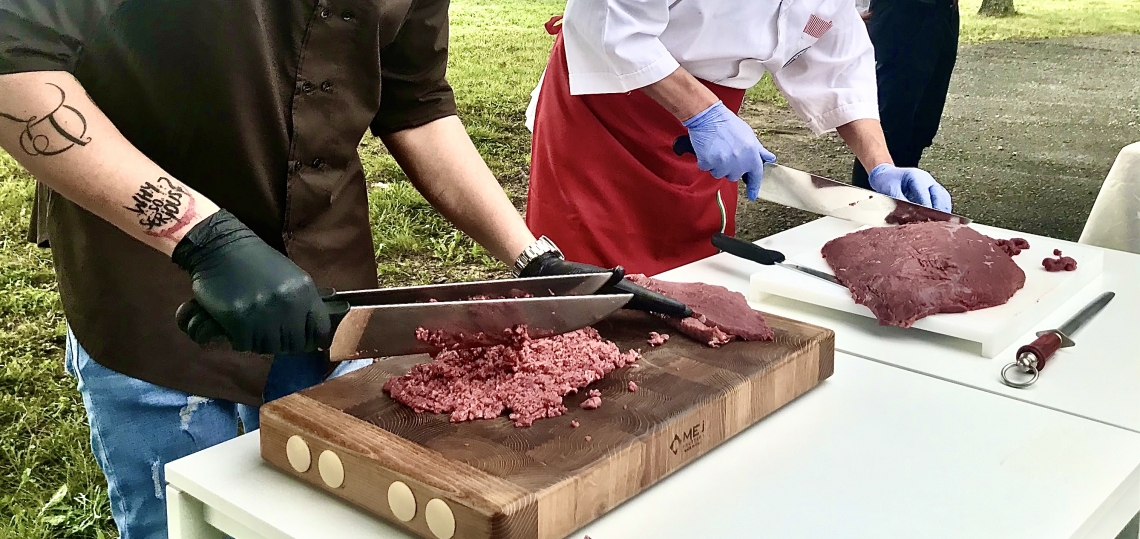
(338, 309)
(216, 336)
(650, 301)
(746, 250)
(684, 145)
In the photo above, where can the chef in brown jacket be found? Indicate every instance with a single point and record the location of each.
(222, 136)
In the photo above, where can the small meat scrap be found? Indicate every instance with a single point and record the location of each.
(528, 376)
(632, 386)
(657, 339)
(589, 438)
(574, 423)
(594, 400)
(1013, 246)
(719, 314)
(906, 273)
(1061, 263)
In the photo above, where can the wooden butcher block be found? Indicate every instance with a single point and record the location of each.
(490, 479)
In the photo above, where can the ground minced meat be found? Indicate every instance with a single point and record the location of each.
(1061, 263)
(657, 339)
(1013, 246)
(528, 377)
(593, 401)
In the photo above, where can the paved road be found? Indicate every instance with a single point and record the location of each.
(1030, 131)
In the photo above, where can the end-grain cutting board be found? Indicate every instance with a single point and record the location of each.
(994, 329)
(490, 480)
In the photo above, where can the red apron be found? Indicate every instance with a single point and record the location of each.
(607, 188)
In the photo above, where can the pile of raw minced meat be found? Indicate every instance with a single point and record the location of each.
(529, 377)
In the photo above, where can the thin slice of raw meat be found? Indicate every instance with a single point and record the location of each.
(719, 314)
(908, 272)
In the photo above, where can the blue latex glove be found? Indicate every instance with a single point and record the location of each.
(727, 147)
(913, 184)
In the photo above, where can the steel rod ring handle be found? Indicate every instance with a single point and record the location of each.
(1028, 369)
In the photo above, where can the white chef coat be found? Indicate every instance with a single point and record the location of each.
(616, 46)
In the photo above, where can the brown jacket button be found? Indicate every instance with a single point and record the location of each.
(317, 162)
(307, 87)
(325, 12)
(326, 86)
(297, 166)
(348, 15)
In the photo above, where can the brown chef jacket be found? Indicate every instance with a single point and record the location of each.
(257, 104)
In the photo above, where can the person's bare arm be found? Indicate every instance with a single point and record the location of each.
(49, 124)
(444, 165)
(866, 140)
(681, 94)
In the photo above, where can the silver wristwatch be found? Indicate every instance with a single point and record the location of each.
(535, 250)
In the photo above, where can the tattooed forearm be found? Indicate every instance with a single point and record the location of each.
(163, 208)
(54, 133)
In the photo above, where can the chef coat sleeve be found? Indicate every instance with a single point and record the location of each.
(613, 46)
(833, 82)
(413, 68)
(47, 35)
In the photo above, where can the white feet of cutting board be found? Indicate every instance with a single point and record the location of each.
(994, 329)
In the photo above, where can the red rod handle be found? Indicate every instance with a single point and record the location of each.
(1043, 347)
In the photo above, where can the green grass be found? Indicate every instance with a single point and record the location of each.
(50, 486)
(1051, 18)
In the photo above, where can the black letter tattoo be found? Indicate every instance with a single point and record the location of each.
(51, 138)
(160, 204)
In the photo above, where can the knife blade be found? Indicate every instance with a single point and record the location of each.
(1033, 356)
(768, 257)
(390, 330)
(560, 285)
(816, 194)
(383, 322)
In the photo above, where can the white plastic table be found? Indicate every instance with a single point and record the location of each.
(873, 452)
(1098, 379)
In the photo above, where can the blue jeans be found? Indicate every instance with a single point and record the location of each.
(137, 427)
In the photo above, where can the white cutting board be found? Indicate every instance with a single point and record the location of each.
(993, 329)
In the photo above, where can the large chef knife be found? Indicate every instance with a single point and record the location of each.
(383, 322)
(380, 323)
(816, 194)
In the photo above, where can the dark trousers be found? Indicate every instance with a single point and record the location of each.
(916, 44)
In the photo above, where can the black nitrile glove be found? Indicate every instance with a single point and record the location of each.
(248, 292)
(551, 264)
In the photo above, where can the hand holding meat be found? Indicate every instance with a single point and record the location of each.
(551, 264)
(727, 147)
(248, 291)
(913, 184)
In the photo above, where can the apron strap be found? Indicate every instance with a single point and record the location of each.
(552, 26)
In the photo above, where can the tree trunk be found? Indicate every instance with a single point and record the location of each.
(997, 8)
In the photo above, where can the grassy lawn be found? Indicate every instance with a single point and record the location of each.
(50, 486)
